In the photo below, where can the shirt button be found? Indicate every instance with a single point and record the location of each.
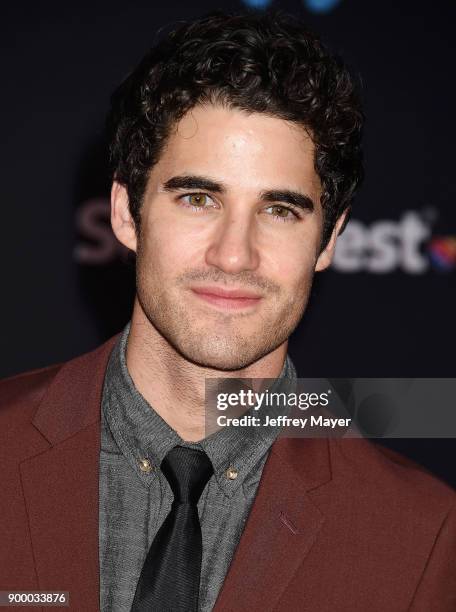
(231, 473)
(145, 465)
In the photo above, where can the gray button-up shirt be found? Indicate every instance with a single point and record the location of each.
(134, 503)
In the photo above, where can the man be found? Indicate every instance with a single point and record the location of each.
(235, 147)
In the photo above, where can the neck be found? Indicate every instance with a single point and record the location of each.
(174, 386)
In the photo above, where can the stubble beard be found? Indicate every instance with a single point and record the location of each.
(217, 340)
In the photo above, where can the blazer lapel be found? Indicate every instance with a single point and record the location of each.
(60, 485)
(282, 526)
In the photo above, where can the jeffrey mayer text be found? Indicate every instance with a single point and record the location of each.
(281, 421)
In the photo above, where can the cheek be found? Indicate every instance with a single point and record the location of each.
(291, 261)
(169, 247)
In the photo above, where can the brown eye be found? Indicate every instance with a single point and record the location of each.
(281, 211)
(197, 199)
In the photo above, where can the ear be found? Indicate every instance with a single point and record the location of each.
(326, 256)
(122, 222)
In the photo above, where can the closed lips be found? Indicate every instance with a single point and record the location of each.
(227, 294)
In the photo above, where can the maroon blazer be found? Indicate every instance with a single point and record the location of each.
(336, 525)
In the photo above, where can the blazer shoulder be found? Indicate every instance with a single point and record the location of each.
(30, 386)
(21, 394)
(395, 476)
(40, 407)
(20, 397)
(26, 388)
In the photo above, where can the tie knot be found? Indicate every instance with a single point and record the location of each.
(187, 471)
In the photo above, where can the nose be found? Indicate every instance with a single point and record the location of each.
(232, 248)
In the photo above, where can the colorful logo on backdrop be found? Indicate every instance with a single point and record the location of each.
(316, 6)
(442, 252)
(407, 245)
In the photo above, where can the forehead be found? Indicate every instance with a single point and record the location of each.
(250, 150)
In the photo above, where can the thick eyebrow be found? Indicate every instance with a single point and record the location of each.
(295, 198)
(193, 182)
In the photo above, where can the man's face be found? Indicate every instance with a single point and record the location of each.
(228, 208)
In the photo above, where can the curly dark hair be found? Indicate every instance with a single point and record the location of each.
(257, 62)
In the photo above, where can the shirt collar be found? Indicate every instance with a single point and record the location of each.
(140, 432)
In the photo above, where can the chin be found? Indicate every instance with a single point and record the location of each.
(227, 361)
(214, 352)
